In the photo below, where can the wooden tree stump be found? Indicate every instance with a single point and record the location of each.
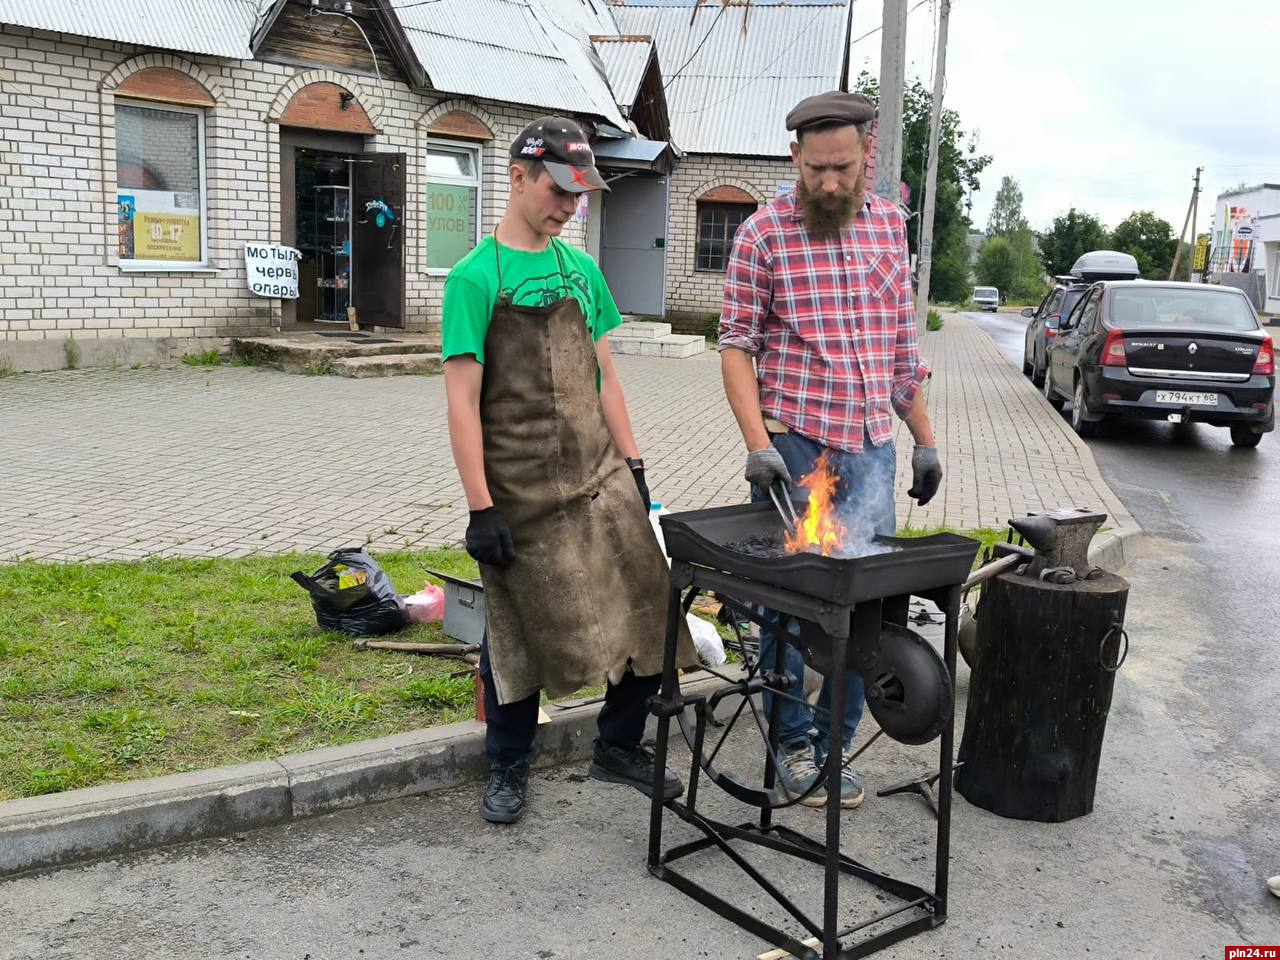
(1039, 694)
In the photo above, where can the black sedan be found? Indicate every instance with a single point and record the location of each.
(1181, 352)
(1044, 326)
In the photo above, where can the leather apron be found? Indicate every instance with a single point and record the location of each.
(587, 593)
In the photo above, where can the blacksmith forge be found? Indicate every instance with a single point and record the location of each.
(849, 614)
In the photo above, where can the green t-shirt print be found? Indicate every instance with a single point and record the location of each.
(530, 280)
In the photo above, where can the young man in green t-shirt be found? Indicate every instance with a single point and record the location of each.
(575, 584)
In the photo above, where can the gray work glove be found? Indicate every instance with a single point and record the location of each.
(765, 468)
(926, 474)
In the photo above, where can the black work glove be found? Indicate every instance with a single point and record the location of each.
(637, 474)
(489, 538)
(926, 474)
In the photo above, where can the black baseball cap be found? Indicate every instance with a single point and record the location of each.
(562, 146)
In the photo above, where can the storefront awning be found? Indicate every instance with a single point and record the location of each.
(635, 153)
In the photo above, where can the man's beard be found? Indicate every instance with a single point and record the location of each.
(826, 214)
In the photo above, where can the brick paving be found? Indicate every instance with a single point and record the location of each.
(122, 464)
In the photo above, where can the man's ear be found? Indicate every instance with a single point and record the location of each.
(516, 174)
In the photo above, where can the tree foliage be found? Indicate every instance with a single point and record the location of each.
(998, 265)
(1006, 219)
(1150, 240)
(1071, 235)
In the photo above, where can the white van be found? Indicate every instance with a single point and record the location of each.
(986, 298)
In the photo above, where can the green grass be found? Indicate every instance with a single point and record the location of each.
(115, 671)
(987, 536)
(934, 320)
(319, 368)
(204, 358)
(7, 369)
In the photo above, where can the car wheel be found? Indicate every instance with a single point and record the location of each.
(1027, 369)
(1245, 437)
(1046, 388)
(1086, 428)
(1038, 372)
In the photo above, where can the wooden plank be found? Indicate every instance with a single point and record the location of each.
(781, 954)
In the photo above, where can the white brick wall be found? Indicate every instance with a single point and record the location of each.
(58, 236)
(696, 294)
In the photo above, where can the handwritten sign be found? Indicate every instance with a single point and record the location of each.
(272, 269)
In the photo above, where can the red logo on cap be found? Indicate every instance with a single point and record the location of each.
(580, 177)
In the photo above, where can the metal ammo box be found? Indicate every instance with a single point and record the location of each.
(463, 608)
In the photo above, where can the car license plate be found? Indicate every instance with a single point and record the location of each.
(1187, 398)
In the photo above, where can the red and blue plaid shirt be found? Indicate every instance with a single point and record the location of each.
(830, 322)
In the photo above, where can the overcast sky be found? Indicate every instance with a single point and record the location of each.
(1105, 105)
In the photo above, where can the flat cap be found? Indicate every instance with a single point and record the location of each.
(833, 107)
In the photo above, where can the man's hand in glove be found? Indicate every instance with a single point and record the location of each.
(926, 474)
(637, 474)
(489, 538)
(765, 468)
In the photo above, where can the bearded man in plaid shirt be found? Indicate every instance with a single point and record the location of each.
(818, 352)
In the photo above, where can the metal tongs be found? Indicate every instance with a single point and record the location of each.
(788, 514)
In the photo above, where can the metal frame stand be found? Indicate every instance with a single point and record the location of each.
(854, 634)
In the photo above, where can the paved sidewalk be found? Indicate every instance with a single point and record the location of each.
(225, 461)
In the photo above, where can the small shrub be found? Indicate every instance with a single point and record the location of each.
(319, 368)
(205, 358)
(933, 321)
(71, 350)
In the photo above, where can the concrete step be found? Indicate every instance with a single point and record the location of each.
(388, 365)
(671, 347)
(642, 330)
(312, 352)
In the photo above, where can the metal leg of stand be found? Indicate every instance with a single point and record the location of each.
(920, 785)
(946, 754)
(775, 721)
(669, 691)
(835, 761)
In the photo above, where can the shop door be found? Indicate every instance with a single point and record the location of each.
(633, 245)
(377, 214)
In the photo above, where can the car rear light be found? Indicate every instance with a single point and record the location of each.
(1265, 365)
(1113, 350)
(1050, 333)
(1111, 396)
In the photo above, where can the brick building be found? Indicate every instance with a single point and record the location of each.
(143, 146)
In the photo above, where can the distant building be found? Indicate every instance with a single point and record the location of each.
(1244, 243)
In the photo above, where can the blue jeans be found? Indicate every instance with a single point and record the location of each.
(864, 499)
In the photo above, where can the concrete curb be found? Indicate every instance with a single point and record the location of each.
(1114, 549)
(39, 833)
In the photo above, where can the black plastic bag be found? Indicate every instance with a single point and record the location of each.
(353, 594)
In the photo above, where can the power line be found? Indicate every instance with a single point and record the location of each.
(734, 92)
(671, 79)
(878, 29)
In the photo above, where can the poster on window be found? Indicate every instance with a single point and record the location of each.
(160, 225)
(451, 228)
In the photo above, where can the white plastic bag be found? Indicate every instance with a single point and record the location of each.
(706, 639)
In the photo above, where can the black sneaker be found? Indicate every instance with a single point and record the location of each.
(633, 767)
(504, 801)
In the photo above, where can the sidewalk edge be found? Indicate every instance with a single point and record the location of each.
(41, 833)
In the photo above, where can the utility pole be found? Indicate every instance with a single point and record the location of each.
(1195, 213)
(931, 177)
(1189, 218)
(893, 67)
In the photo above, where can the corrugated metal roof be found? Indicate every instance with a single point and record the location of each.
(217, 28)
(735, 72)
(534, 52)
(625, 60)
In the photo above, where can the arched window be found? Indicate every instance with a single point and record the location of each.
(721, 211)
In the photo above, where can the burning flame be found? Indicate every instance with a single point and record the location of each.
(819, 530)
